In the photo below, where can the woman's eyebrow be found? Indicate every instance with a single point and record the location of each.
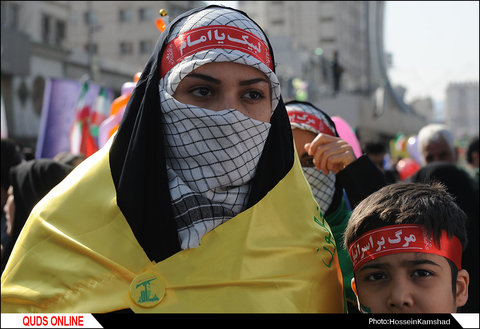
(204, 77)
(253, 81)
(217, 81)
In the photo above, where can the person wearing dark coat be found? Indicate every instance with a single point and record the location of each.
(30, 181)
(12, 155)
(460, 186)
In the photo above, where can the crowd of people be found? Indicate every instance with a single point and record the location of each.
(215, 195)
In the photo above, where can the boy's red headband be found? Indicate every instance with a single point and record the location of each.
(214, 36)
(402, 238)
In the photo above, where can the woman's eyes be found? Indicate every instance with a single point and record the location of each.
(254, 95)
(201, 91)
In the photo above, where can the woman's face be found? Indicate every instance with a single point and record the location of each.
(226, 85)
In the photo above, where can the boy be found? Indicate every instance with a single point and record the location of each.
(405, 242)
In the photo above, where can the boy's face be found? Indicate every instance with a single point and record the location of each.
(410, 282)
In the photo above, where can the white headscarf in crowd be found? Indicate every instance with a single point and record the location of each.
(303, 116)
(211, 155)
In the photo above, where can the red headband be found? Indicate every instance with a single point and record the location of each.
(310, 120)
(214, 36)
(402, 238)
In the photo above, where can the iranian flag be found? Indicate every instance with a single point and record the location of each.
(100, 112)
(81, 139)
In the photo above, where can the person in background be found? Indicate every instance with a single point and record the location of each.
(330, 167)
(459, 184)
(472, 157)
(11, 156)
(439, 155)
(30, 182)
(376, 151)
(436, 143)
(337, 72)
(69, 159)
(406, 242)
(197, 204)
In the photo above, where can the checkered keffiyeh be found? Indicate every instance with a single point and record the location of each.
(211, 155)
(323, 186)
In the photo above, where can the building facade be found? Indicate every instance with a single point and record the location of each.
(33, 49)
(313, 31)
(111, 41)
(461, 109)
(116, 38)
(108, 41)
(306, 34)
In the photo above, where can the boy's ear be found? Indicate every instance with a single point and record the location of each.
(463, 280)
(360, 306)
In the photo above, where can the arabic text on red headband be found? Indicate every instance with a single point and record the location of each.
(214, 36)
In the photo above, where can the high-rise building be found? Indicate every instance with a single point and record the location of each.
(310, 32)
(305, 35)
(424, 106)
(461, 109)
(117, 36)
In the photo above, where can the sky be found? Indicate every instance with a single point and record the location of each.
(433, 43)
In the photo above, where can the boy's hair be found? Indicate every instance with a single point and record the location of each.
(429, 205)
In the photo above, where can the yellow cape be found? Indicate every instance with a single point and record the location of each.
(77, 253)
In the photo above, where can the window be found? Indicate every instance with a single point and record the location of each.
(145, 14)
(125, 15)
(126, 48)
(174, 10)
(326, 19)
(60, 28)
(12, 15)
(90, 17)
(327, 40)
(278, 21)
(92, 48)
(146, 46)
(46, 21)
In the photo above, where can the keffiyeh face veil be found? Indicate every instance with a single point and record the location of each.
(181, 170)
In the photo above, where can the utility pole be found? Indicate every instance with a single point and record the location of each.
(89, 39)
(92, 26)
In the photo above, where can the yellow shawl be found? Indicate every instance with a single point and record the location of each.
(77, 254)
